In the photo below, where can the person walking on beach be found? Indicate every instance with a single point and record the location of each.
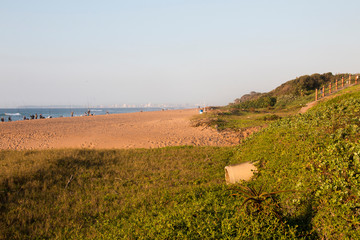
(36, 115)
(2, 119)
(72, 114)
(9, 119)
(88, 112)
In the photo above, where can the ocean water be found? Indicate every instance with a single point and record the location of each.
(17, 114)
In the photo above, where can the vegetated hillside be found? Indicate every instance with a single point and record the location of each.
(256, 110)
(287, 93)
(318, 155)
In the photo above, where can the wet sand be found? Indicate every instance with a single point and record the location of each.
(128, 130)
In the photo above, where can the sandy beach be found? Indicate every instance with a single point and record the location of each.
(128, 130)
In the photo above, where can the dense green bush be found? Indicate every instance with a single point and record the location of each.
(305, 84)
(270, 117)
(262, 102)
(202, 213)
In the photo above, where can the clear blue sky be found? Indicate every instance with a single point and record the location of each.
(163, 51)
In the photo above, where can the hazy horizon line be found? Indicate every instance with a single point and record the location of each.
(107, 106)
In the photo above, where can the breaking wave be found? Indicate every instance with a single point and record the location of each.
(12, 114)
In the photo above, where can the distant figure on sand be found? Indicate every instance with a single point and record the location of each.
(36, 115)
(72, 114)
(88, 112)
(9, 119)
(2, 119)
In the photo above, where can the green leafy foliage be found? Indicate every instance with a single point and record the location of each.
(262, 102)
(303, 85)
(270, 117)
(318, 154)
(257, 200)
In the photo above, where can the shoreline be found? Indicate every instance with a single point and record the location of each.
(152, 129)
(18, 114)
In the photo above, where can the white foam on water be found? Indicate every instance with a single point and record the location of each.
(12, 114)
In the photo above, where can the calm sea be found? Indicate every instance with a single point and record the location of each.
(17, 114)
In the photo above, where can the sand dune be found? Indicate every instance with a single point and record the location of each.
(130, 130)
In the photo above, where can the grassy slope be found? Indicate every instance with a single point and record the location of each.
(316, 153)
(180, 193)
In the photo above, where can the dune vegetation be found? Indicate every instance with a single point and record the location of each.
(306, 186)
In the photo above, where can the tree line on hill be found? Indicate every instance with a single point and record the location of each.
(287, 92)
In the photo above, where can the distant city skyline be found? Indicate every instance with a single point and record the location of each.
(124, 105)
(93, 53)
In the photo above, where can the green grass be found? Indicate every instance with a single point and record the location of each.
(72, 193)
(167, 193)
(228, 118)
